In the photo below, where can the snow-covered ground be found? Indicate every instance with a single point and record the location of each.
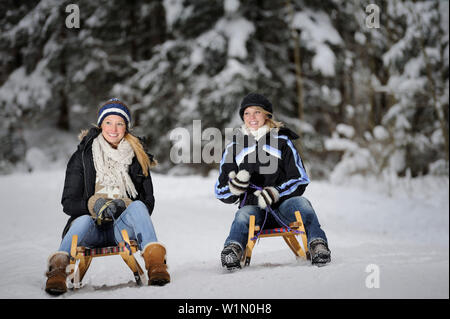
(397, 233)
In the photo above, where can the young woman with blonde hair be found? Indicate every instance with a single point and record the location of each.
(262, 154)
(108, 188)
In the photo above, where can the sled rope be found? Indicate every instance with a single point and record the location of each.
(268, 209)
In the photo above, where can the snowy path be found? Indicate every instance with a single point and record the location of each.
(405, 236)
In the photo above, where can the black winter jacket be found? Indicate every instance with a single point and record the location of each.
(79, 184)
(271, 161)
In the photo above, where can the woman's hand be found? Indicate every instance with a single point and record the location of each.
(107, 210)
(117, 207)
(267, 196)
(239, 182)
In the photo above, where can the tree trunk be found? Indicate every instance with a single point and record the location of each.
(297, 59)
(63, 118)
(438, 106)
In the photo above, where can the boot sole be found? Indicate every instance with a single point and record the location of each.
(321, 260)
(55, 291)
(232, 269)
(158, 282)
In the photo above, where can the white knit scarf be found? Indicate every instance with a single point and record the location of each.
(258, 133)
(112, 165)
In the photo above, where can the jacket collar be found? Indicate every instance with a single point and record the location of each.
(87, 137)
(256, 134)
(241, 135)
(288, 132)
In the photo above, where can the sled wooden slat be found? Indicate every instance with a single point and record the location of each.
(82, 256)
(293, 225)
(107, 251)
(289, 236)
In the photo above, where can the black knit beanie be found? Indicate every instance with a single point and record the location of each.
(255, 99)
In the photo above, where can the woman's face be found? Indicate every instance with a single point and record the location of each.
(254, 118)
(113, 129)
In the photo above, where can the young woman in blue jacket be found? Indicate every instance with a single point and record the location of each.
(263, 155)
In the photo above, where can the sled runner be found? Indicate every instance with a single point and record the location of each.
(81, 257)
(288, 234)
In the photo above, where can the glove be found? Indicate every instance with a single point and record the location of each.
(120, 207)
(267, 197)
(100, 207)
(239, 182)
(108, 210)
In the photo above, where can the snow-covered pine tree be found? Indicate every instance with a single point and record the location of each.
(175, 61)
(400, 78)
(56, 76)
(219, 52)
(419, 83)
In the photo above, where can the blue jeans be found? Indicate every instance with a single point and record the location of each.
(135, 219)
(286, 212)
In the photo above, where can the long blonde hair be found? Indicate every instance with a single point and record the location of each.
(138, 149)
(271, 123)
(141, 155)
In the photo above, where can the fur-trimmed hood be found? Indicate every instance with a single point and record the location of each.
(92, 131)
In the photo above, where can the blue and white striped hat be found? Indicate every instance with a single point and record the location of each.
(114, 107)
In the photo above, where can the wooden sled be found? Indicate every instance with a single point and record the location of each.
(81, 257)
(300, 250)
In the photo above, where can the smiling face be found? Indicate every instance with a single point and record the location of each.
(254, 117)
(113, 129)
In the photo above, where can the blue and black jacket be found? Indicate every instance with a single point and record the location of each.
(273, 160)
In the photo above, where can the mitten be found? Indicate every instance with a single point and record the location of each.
(118, 208)
(99, 203)
(102, 209)
(239, 182)
(267, 196)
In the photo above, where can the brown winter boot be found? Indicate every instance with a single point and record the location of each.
(154, 255)
(56, 274)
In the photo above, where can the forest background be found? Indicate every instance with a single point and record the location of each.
(364, 83)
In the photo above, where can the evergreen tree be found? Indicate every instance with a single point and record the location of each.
(373, 96)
